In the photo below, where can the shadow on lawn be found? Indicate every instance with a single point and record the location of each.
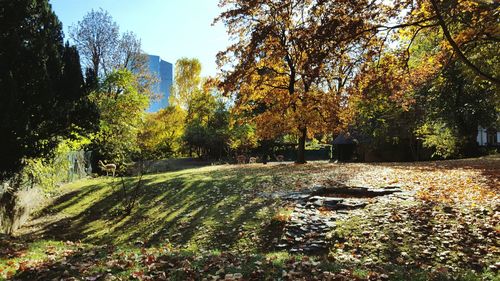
(399, 257)
(215, 208)
(218, 209)
(421, 241)
(212, 209)
(78, 263)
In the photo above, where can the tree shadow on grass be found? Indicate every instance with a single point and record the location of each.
(420, 236)
(202, 209)
(88, 262)
(66, 200)
(218, 209)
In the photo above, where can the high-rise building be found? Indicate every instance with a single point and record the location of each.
(163, 71)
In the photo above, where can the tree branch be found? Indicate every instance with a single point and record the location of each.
(457, 50)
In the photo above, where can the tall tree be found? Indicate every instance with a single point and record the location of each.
(84, 113)
(292, 60)
(128, 53)
(121, 104)
(207, 125)
(40, 81)
(96, 37)
(161, 134)
(187, 81)
(104, 50)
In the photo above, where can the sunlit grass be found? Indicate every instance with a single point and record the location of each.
(198, 214)
(181, 207)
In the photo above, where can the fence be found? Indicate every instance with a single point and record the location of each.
(25, 191)
(323, 153)
(80, 165)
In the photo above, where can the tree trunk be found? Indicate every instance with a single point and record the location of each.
(301, 151)
(8, 201)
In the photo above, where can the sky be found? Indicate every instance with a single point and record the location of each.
(171, 29)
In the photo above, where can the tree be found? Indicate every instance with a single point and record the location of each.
(207, 124)
(187, 83)
(96, 36)
(128, 53)
(218, 129)
(121, 106)
(382, 104)
(206, 119)
(162, 132)
(423, 98)
(463, 25)
(480, 15)
(292, 60)
(242, 137)
(42, 96)
(82, 114)
(455, 105)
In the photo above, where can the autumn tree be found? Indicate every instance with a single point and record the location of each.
(161, 134)
(291, 63)
(381, 104)
(187, 82)
(206, 116)
(463, 27)
(421, 92)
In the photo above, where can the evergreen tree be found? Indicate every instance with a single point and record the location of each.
(40, 80)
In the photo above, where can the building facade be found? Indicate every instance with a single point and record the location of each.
(164, 72)
(488, 137)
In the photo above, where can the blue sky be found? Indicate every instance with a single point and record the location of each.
(169, 28)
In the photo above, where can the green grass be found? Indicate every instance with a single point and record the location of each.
(190, 224)
(199, 209)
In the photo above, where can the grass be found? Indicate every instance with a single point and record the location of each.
(199, 209)
(217, 220)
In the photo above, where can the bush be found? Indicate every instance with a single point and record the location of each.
(440, 137)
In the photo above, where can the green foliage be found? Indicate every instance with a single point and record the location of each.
(47, 173)
(121, 106)
(453, 106)
(439, 136)
(217, 128)
(207, 125)
(242, 137)
(161, 134)
(461, 101)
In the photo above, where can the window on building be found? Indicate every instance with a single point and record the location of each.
(492, 138)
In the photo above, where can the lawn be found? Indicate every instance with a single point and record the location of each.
(224, 222)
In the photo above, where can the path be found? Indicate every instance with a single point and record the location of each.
(315, 212)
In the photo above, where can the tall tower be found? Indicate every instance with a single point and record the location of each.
(163, 71)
